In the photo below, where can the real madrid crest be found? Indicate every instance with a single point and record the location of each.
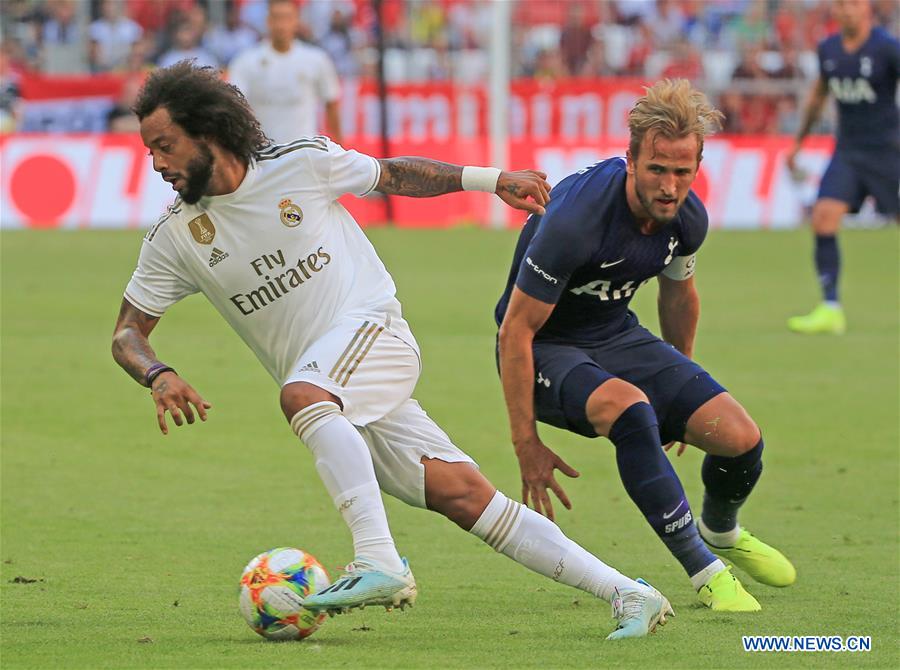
(202, 229)
(291, 214)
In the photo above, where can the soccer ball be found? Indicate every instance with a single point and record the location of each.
(273, 587)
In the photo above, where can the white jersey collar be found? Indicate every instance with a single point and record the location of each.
(245, 186)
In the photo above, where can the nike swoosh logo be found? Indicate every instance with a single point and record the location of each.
(609, 265)
(669, 515)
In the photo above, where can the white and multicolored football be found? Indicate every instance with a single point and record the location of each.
(273, 587)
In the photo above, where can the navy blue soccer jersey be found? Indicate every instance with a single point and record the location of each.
(587, 256)
(864, 84)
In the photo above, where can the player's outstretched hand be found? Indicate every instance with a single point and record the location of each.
(681, 447)
(174, 395)
(514, 188)
(537, 463)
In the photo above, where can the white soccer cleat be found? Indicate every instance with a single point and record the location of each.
(365, 584)
(639, 611)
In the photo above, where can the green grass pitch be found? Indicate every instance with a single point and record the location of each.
(137, 541)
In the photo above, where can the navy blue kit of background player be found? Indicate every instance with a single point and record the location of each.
(860, 67)
(866, 159)
(573, 355)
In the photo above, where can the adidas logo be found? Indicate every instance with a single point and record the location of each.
(217, 256)
(310, 367)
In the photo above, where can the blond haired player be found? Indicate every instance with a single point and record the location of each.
(258, 230)
(573, 355)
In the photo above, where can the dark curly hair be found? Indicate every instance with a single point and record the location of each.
(204, 105)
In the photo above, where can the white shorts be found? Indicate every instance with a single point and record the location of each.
(399, 441)
(372, 365)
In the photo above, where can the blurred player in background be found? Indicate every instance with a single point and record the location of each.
(258, 230)
(860, 67)
(287, 82)
(574, 356)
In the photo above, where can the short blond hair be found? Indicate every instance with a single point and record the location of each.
(673, 109)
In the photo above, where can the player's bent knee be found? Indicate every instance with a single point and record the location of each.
(609, 400)
(458, 491)
(298, 395)
(827, 216)
(748, 437)
(738, 437)
(739, 430)
(722, 427)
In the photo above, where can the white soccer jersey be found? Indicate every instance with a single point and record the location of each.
(286, 90)
(279, 257)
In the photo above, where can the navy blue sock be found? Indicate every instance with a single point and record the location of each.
(655, 488)
(728, 482)
(828, 265)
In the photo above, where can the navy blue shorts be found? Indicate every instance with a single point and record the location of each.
(853, 175)
(565, 376)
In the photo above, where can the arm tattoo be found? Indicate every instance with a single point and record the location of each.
(418, 177)
(130, 347)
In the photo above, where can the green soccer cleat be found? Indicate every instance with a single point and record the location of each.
(765, 564)
(823, 320)
(365, 584)
(639, 611)
(724, 593)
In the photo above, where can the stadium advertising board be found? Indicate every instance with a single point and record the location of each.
(87, 179)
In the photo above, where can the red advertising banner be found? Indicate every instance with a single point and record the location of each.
(68, 104)
(107, 181)
(583, 109)
(575, 109)
(90, 179)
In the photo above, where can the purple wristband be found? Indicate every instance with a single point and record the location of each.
(155, 371)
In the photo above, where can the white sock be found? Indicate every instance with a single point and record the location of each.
(698, 580)
(538, 544)
(724, 539)
(345, 466)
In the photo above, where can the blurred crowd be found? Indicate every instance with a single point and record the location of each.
(756, 57)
